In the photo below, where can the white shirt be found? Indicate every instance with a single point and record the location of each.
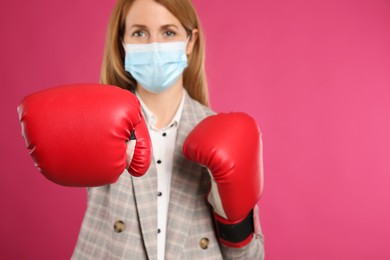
(163, 142)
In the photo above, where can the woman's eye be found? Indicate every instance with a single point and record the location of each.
(170, 33)
(138, 34)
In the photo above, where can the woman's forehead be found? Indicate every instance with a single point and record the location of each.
(149, 13)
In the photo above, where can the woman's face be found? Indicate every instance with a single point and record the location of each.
(148, 21)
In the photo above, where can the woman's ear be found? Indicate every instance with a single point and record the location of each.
(192, 41)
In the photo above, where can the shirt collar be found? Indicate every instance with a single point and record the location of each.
(151, 119)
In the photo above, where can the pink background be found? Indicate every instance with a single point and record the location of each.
(314, 74)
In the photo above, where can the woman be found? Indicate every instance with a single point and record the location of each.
(155, 49)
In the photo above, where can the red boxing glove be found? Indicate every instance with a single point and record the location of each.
(229, 145)
(78, 135)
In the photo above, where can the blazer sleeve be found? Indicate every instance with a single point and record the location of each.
(254, 250)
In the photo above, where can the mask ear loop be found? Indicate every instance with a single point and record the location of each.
(188, 39)
(123, 44)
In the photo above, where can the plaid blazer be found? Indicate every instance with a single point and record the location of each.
(121, 218)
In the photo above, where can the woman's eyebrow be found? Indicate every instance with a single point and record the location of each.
(169, 25)
(138, 26)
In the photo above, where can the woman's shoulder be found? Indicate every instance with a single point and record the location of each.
(197, 107)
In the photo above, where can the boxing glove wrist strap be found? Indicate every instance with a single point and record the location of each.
(236, 234)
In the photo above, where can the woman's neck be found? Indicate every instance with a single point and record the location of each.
(163, 105)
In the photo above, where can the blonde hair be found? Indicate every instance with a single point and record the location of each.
(194, 76)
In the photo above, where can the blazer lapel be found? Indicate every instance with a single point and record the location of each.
(186, 176)
(145, 190)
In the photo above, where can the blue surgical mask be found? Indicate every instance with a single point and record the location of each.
(156, 66)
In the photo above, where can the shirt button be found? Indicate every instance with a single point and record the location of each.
(158, 231)
(158, 161)
(159, 193)
(164, 134)
(119, 226)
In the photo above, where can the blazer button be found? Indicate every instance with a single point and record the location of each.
(204, 243)
(119, 226)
